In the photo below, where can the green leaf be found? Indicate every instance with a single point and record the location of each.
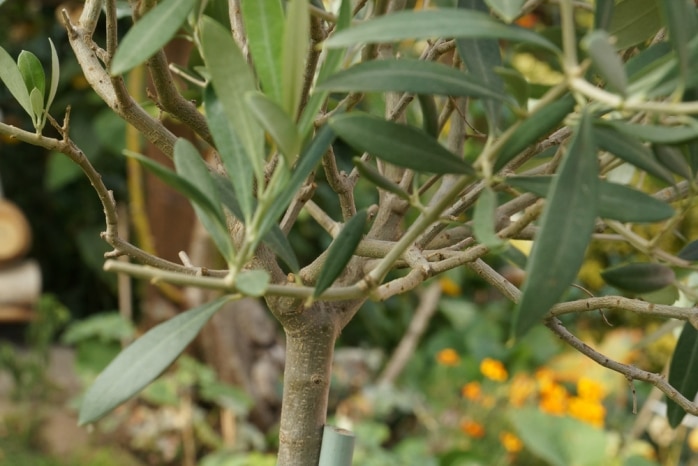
(680, 20)
(484, 220)
(640, 277)
(634, 21)
(232, 152)
(32, 73)
(482, 57)
(55, 76)
(37, 102)
(541, 122)
(656, 133)
(332, 62)
(277, 123)
(373, 176)
(673, 159)
(252, 283)
(295, 48)
(150, 34)
(144, 360)
(264, 26)
(631, 150)
(408, 75)
(430, 115)
(340, 251)
(603, 14)
(508, 10)
(682, 372)
(191, 167)
(10, 75)
(232, 79)
(515, 84)
(444, 22)
(401, 145)
(605, 59)
(616, 201)
(689, 252)
(566, 226)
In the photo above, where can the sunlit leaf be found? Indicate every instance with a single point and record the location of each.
(444, 22)
(682, 372)
(401, 145)
(252, 282)
(566, 226)
(534, 127)
(640, 277)
(143, 361)
(635, 21)
(150, 34)
(264, 26)
(340, 251)
(32, 72)
(616, 201)
(408, 75)
(484, 219)
(12, 78)
(232, 79)
(37, 102)
(295, 48)
(605, 59)
(277, 123)
(55, 76)
(508, 10)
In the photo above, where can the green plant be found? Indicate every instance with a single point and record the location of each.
(623, 103)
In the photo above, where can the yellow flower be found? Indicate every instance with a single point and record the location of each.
(590, 389)
(449, 287)
(448, 357)
(589, 411)
(472, 391)
(472, 428)
(511, 442)
(554, 400)
(522, 387)
(493, 370)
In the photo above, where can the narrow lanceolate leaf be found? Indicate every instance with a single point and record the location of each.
(566, 227)
(656, 133)
(143, 361)
(689, 252)
(32, 72)
(641, 277)
(603, 14)
(682, 372)
(372, 175)
(673, 159)
(635, 21)
(408, 75)
(680, 20)
(232, 152)
(484, 219)
(331, 63)
(252, 283)
(340, 251)
(534, 127)
(232, 79)
(401, 145)
(508, 10)
(630, 149)
(37, 102)
(264, 26)
(482, 56)
(616, 201)
(12, 78)
(605, 59)
(295, 48)
(55, 75)
(425, 24)
(277, 124)
(191, 167)
(150, 34)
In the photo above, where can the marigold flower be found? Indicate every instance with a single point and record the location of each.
(493, 370)
(472, 391)
(590, 389)
(448, 357)
(449, 287)
(589, 411)
(511, 442)
(472, 428)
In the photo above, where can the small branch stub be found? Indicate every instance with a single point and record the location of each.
(337, 447)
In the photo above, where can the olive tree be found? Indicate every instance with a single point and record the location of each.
(464, 155)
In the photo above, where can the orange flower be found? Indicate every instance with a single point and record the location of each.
(472, 428)
(448, 357)
(493, 370)
(522, 387)
(449, 287)
(527, 21)
(590, 389)
(589, 411)
(511, 442)
(472, 391)
(554, 400)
